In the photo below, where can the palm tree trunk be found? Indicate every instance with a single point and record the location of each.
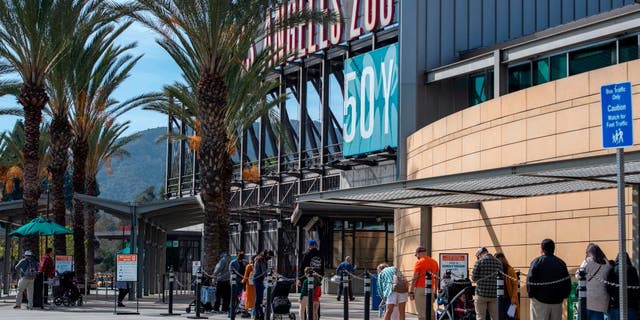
(80, 151)
(92, 190)
(215, 166)
(33, 99)
(60, 135)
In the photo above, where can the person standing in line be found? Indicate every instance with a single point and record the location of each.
(345, 266)
(48, 272)
(123, 291)
(222, 279)
(304, 294)
(236, 270)
(424, 265)
(311, 258)
(250, 292)
(597, 269)
(546, 301)
(387, 277)
(28, 269)
(484, 274)
(511, 287)
(260, 269)
(633, 295)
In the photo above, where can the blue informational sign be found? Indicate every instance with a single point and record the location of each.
(371, 101)
(617, 115)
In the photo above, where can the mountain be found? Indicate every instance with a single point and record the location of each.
(134, 174)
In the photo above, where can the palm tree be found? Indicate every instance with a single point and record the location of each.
(213, 38)
(106, 141)
(32, 42)
(90, 18)
(101, 68)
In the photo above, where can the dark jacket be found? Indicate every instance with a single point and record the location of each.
(312, 258)
(548, 268)
(259, 269)
(632, 280)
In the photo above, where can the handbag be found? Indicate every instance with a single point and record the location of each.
(400, 284)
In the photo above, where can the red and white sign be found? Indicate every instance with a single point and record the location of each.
(64, 263)
(127, 267)
(455, 263)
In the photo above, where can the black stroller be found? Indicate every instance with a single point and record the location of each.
(67, 292)
(207, 293)
(457, 298)
(280, 304)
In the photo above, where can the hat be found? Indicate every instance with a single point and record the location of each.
(28, 253)
(312, 243)
(421, 249)
(481, 250)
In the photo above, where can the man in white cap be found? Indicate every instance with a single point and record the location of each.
(28, 269)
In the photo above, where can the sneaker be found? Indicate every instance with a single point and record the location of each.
(352, 298)
(16, 307)
(338, 298)
(120, 304)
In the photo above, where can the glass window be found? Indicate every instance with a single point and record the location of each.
(628, 49)
(480, 87)
(558, 66)
(592, 58)
(540, 71)
(519, 77)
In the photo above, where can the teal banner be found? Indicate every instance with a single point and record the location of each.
(371, 101)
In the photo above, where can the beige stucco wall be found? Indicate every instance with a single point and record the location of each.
(553, 121)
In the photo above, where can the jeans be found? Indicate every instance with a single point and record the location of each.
(223, 292)
(236, 291)
(594, 315)
(614, 314)
(341, 290)
(257, 310)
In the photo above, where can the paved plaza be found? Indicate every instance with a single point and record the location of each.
(102, 307)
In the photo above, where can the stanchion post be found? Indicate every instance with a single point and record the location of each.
(345, 294)
(310, 287)
(428, 294)
(198, 297)
(234, 297)
(269, 289)
(172, 279)
(367, 294)
(500, 295)
(163, 287)
(582, 293)
(518, 282)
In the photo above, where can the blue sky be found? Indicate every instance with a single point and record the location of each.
(154, 70)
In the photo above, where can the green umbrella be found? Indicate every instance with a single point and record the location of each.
(40, 226)
(125, 250)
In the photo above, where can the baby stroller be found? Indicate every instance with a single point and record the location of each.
(67, 292)
(280, 304)
(457, 298)
(207, 294)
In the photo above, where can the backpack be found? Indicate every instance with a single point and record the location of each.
(31, 270)
(400, 283)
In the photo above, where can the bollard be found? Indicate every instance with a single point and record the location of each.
(518, 276)
(269, 289)
(367, 294)
(500, 296)
(163, 287)
(427, 294)
(582, 293)
(310, 287)
(345, 294)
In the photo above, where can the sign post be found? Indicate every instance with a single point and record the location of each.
(617, 132)
(127, 271)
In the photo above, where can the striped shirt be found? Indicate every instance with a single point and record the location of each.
(484, 274)
(385, 282)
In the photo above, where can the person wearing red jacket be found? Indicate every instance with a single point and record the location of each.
(48, 271)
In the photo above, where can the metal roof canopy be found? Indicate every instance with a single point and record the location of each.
(166, 214)
(470, 189)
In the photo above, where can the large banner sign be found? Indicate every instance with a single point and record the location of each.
(371, 101)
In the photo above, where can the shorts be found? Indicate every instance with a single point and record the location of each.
(397, 298)
(317, 292)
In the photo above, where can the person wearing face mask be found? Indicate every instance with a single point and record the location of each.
(597, 268)
(236, 269)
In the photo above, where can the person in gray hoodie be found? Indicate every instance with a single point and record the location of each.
(597, 268)
(222, 279)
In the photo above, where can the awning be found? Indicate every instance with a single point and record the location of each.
(13, 211)
(167, 214)
(338, 211)
(470, 189)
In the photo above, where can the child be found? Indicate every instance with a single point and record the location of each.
(304, 294)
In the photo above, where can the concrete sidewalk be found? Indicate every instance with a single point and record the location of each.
(100, 307)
